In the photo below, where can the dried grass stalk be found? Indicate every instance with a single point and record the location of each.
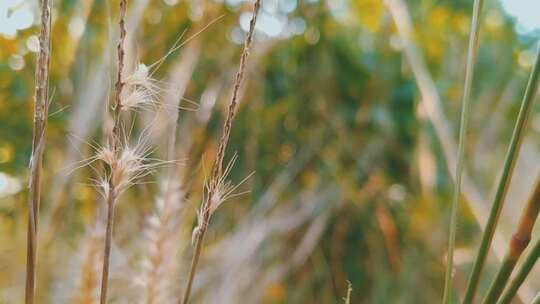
(38, 146)
(115, 141)
(214, 190)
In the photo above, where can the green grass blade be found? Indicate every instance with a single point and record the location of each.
(504, 182)
(465, 110)
(536, 299)
(517, 245)
(500, 280)
(521, 275)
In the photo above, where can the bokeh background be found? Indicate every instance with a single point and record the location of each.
(348, 121)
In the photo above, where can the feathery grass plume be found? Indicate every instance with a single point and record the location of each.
(85, 115)
(110, 156)
(142, 90)
(86, 291)
(125, 167)
(161, 239)
(504, 181)
(41, 106)
(125, 164)
(465, 110)
(160, 261)
(215, 189)
(519, 242)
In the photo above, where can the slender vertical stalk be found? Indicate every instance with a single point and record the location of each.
(38, 146)
(107, 252)
(112, 194)
(193, 268)
(347, 299)
(432, 105)
(119, 85)
(465, 110)
(217, 169)
(504, 181)
(519, 242)
(521, 275)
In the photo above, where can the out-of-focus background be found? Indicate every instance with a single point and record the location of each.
(348, 120)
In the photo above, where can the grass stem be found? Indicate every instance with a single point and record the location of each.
(217, 169)
(41, 106)
(519, 242)
(112, 194)
(521, 275)
(504, 181)
(465, 110)
(193, 268)
(107, 251)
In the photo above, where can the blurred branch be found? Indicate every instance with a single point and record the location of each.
(238, 270)
(390, 232)
(299, 256)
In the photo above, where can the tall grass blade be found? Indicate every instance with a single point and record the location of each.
(465, 110)
(520, 240)
(504, 181)
(521, 275)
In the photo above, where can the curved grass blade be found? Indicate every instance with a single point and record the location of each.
(517, 245)
(521, 275)
(504, 181)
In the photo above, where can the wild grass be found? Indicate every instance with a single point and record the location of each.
(41, 106)
(521, 275)
(465, 113)
(504, 182)
(431, 102)
(122, 163)
(111, 157)
(520, 241)
(125, 163)
(161, 245)
(216, 189)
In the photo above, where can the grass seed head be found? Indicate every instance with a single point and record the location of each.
(143, 91)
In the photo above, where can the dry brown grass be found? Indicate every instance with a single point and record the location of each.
(41, 106)
(214, 189)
